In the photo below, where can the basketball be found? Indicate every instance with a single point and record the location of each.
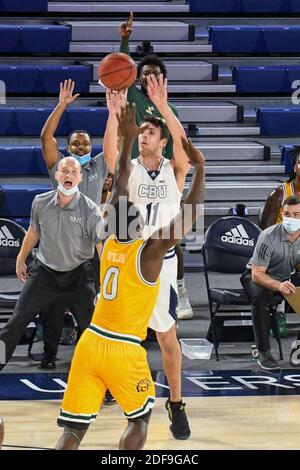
(117, 71)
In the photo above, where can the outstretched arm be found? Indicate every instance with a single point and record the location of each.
(49, 143)
(125, 32)
(115, 101)
(166, 237)
(157, 92)
(128, 133)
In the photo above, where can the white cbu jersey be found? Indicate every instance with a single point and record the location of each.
(155, 193)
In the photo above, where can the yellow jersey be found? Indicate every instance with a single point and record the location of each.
(126, 299)
(287, 190)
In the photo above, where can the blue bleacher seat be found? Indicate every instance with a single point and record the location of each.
(245, 6)
(92, 119)
(28, 160)
(271, 79)
(51, 76)
(287, 157)
(293, 74)
(6, 120)
(226, 39)
(43, 79)
(216, 6)
(30, 121)
(9, 37)
(34, 38)
(17, 198)
(255, 39)
(282, 39)
(294, 5)
(279, 121)
(21, 161)
(262, 6)
(19, 78)
(23, 5)
(45, 38)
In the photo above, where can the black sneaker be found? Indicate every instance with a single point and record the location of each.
(48, 362)
(267, 361)
(109, 399)
(180, 426)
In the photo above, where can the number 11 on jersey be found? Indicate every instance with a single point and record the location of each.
(152, 211)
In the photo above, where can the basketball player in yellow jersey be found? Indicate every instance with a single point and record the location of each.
(109, 353)
(272, 211)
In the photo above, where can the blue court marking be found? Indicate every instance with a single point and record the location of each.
(204, 383)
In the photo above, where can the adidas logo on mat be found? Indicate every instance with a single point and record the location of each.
(238, 236)
(6, 238)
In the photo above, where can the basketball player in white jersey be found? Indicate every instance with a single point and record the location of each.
(156, 186)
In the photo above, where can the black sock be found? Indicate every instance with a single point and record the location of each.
(175, 402)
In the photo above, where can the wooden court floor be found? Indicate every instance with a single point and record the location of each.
(216, 422)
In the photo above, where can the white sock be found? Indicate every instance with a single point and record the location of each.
(180, 283)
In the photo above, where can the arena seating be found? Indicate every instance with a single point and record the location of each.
(30, 121)
(245, 6)
(34, 38)
(265, 79)
(23, 5)
(27, 160)
(255, 39)
(43, 78)
(17, 198)
(279, 121)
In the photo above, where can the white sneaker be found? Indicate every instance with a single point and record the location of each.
(184, 310)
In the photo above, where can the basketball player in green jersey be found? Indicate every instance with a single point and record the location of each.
(150, 64)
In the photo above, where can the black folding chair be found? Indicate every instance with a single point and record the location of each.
(229, 244)
(11, 237)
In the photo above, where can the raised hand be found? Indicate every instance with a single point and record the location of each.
(66, 92)
(115, 100)
(195, 157)
(127, 122)
(157, 90)
(126, 28)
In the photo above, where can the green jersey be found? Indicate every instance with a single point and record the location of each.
(145, 107)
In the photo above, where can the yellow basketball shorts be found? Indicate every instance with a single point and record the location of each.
(106, 360)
